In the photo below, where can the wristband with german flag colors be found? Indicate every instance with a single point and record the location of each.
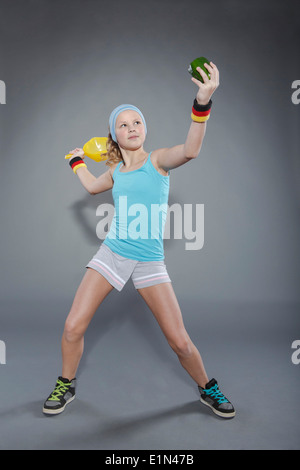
(201, 113)
(76, 163)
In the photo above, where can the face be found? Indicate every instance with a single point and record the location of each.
(130, 130)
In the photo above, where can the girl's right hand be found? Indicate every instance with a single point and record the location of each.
(78, 152)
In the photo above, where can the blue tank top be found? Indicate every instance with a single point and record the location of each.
(141, 204)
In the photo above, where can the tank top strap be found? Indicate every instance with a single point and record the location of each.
(119, 165)
(116, 170)
(147, 159)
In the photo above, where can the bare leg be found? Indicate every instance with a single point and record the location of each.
(91, 292)
(162, 302)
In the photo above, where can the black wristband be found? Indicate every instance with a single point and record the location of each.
(202, 107)
(74, 160)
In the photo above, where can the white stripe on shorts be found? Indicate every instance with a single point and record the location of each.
(113, 275)
(163, 276)
(101, 262)
(149, 275)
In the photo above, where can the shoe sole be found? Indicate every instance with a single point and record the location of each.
(217, 412)
(48, 411)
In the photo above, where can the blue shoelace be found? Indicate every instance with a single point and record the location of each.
(215, 393)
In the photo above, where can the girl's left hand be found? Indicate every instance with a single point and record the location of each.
(207, 88)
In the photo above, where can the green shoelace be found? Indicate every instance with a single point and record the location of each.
(59, 390)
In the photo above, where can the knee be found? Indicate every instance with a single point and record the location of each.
(72, 331)
(182, 346)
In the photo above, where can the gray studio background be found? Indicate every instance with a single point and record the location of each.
(66, 65)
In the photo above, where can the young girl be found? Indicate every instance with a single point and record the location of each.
(139, 183)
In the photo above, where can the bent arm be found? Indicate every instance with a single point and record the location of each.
(173, 157)
(92, 184)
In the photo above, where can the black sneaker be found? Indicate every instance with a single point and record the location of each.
(212, 396)
(63, 394)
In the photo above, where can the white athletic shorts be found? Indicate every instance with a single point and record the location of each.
(117, 269)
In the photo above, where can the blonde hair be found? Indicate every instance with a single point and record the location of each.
(113, 153)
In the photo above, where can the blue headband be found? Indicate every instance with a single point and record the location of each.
(115, 113)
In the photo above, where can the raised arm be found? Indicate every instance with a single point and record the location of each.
(173, 157)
